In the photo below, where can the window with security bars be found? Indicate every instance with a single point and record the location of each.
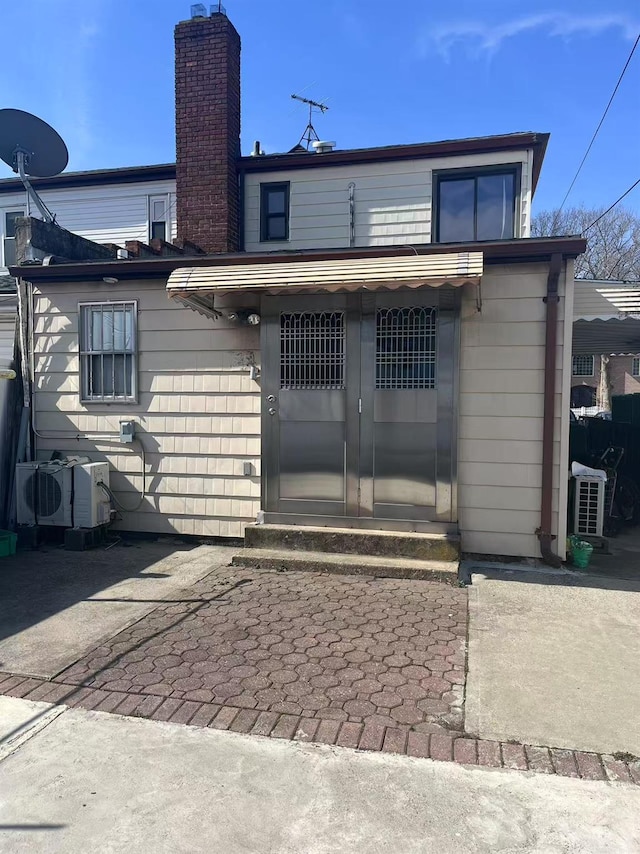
(406, 348)
(582, 366)
(635, 366)
(312, 350)
(108, 357)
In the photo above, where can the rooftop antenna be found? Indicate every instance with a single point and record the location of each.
(310, 132)
(31, 147)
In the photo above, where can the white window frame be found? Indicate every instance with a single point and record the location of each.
(579, 373)
(635, 366)
(165, 199)
(3, 226)
(85, 353)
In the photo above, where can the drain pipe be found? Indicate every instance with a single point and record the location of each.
(551, 338)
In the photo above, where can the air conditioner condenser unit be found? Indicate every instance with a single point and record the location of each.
(65, 493)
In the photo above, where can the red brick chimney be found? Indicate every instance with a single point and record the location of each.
(208, 132)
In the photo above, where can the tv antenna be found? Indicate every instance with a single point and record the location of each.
(31, 147)
(310, 132)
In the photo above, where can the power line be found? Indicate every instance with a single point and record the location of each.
(626, 193)
(604, 115)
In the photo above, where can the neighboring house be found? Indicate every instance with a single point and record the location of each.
(371, 339)
(606, 343)
(105, 205)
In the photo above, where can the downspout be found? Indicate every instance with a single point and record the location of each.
(551, 338)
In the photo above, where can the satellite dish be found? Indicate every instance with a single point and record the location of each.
(31, 147)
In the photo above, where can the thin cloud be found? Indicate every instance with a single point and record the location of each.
(480, 38)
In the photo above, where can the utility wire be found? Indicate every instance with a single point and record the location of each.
(626, 193)
(597, 130)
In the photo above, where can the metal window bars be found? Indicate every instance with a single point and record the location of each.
(406, 348)
(312, 350)
(108, 351)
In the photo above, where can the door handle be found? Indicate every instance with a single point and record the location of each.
(271, 398)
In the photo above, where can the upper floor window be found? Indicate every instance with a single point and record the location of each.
(635, 366)
(475, 206)
(582, 366)
(108, 352)
(9, 237)
(274, 211)
(158, 217)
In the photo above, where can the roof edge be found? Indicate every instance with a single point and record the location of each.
(501, 251)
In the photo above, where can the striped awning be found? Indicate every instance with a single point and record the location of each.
(331, 276)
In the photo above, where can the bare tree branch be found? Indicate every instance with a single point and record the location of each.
(613, 245)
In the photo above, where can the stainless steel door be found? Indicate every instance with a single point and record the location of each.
(358, 406)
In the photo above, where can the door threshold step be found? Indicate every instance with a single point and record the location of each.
(354, 541)
(348, 564)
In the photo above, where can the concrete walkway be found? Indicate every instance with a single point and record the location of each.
(555, 662)
(88, 781)
(56, 605)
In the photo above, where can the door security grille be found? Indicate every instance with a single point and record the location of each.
(589, 506)
(406, 348)
(312, 350)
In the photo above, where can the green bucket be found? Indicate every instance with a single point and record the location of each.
(581, 552)
(7, 543)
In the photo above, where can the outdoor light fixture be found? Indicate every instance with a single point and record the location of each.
(243, 317)
(110, 280)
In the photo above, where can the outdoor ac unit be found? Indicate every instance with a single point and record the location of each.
(589, 506)
(63, 492)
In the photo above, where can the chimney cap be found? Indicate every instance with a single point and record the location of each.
(199, 10)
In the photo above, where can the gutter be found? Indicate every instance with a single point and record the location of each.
(552, 299)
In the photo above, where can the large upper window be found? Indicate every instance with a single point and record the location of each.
(108, 351)
(475, 206)
(9, 238)
(274, 211)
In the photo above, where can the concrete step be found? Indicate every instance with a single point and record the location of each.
(352, 541)
(348, 564)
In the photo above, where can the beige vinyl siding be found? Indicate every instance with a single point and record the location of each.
(393, 201)
(111, 214)
(501, 409)
(197, 411)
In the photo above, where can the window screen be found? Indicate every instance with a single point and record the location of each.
(406, 348)
(108, 351)
(312, 350)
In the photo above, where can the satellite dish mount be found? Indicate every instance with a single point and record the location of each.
(21, 166)
(31, 147)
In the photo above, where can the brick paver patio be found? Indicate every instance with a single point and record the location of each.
(372, 664)
(379, 652)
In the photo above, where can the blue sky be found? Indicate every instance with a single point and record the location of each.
(101, 71)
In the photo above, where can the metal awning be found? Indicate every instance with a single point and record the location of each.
(332, 276)
(606, 317)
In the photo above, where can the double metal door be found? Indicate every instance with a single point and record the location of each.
(358, 407)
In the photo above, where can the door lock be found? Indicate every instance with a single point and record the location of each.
(271, 411)
(271, 398)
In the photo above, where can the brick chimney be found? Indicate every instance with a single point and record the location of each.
(208, 132)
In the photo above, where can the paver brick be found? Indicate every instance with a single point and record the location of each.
(616, 770)
(564, 762)
(395, 740)
(465, 751)
(327, 732)
(489, 754)
(589, 766)
(418, 744)
(513, 756)
(224, 718)
(539, 759)
(441, 747)
(166, 709)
